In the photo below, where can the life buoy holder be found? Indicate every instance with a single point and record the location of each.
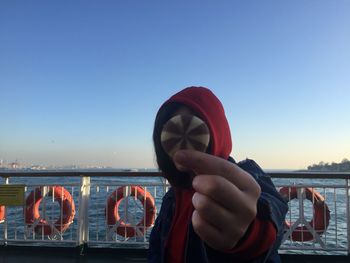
(41, 226)
(125, 229)
(321, 214)
(2, 213)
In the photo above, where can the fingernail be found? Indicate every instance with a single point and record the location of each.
(180, 156)
(195, 199)
(194, 182)
(180, 167)
(179, 160)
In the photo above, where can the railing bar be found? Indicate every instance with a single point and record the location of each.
(81, 174)
(97, 212)
(287, 248)
(313, 225)
(50, 185)
(301, 211)
(290, 211)
(336, 216)
(23, 214)
(134, 223)
(107, 208)
(144, 215)
(128, 184)
(324, 215)
(71, 230)
(126, 207)
(34, 200)
(306, 175)
(310, 175)
(43, 241)
(7, 181)
(61, 234)
(141, 245)
(348, 213)
(310, 185)
(44, 213)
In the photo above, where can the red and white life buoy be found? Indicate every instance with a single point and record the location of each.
(321, 213)
(2, 213)
(67, 207)
(125, 229)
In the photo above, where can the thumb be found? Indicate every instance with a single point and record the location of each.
(182, 160)
(179, 159)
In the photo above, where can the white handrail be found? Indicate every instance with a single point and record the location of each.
(90, 228)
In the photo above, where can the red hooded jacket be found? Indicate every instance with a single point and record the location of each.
(208, 107)
(210, 110)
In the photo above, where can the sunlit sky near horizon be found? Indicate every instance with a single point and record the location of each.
(81, 81)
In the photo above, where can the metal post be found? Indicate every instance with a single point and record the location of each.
(347, 188)
(44, 191)
(5, 226)
(83, 220)
(126, 193)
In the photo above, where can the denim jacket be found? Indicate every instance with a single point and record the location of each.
(270, 206)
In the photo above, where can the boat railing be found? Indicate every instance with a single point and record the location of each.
(117, 209)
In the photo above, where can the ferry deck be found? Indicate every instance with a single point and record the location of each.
(89, 237)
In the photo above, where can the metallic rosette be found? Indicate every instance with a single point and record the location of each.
(185, 132)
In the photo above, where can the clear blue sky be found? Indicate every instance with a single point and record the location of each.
(81, 81)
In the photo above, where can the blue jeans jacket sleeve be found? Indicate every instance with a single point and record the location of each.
(270, 205)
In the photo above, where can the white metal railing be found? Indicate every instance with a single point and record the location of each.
(316, 223)
(325, 230)
(24, 225)
(109, 210)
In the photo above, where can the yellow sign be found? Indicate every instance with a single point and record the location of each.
(11, 195)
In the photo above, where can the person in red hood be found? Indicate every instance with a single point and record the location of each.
(216, 210)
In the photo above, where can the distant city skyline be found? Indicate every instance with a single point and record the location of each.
(81, 83)
(37, 166)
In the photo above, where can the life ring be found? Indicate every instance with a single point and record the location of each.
(2, 213)
(113, 217)
(32, 214)
(321, 213)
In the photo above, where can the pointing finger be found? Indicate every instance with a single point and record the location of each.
(203, 163)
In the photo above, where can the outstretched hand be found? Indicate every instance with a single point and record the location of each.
(225, 200)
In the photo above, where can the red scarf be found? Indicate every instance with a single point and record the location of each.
(175, 245)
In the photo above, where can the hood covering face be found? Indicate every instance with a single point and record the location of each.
(208, 107)
(203, 103)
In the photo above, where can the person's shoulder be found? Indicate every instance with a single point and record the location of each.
(169, 194)
(251, 167)
(168, 201)
(167, 209)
